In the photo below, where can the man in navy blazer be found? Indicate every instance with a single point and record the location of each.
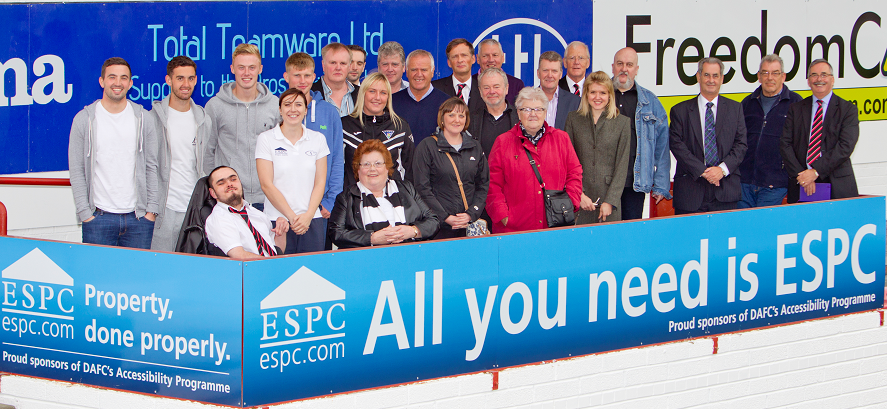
(838, 132)
(707, 137)
(560, 102)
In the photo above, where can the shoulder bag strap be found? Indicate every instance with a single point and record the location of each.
(458, 179)
(535, 169)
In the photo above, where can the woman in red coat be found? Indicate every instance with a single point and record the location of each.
(515, 201)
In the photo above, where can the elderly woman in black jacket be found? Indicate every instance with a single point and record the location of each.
(456, 198)
(379, 210)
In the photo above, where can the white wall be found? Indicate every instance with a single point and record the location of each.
(830, 363)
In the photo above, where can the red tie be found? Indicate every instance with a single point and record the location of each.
(459, 91)
(814, 149)
(576, 89)
(264, 248)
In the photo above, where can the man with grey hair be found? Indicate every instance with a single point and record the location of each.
(649, 164)
(707, 137)
(577, 59)
(819, 135)
(334, 85)
(559, 103)
(419, 102)
(391, 63)
(496, 115)
(763, 179)
(491, 55)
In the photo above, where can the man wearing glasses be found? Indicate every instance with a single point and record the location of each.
(577, 59)
(819, 135)
(763, 180)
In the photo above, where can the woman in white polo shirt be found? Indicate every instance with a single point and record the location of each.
(291, 162)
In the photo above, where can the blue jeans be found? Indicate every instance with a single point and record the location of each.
(759, 196)
(121, 230)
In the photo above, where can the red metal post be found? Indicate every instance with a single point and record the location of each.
(2, 219)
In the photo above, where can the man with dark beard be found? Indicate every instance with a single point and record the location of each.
(649, 162)
(234, 226)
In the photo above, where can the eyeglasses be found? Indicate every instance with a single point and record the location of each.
(367, 165)
(771, 73)
(532, 110)
(577, 58)
(823, 75)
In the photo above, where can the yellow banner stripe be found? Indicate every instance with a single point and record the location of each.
(872, 101)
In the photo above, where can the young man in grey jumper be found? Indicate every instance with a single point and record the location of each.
(112, 158)
(239, 113)
(184, 129)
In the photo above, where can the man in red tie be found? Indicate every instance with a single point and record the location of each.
(237, 228)
(819, 136)
(577, 59)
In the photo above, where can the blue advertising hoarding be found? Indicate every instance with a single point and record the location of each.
(329, 323)
(307, 326)
(52, 65)
(140, 321)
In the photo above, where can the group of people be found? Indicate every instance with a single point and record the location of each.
(354, 163)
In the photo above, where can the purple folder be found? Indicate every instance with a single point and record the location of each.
(823, 192)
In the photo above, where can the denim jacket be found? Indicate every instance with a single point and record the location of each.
(652, 166)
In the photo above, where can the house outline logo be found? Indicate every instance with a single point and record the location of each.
(302, 287)
(37, 267)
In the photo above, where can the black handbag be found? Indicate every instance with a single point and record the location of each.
(558, 206)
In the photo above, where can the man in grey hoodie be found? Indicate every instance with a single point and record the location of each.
(239, 113)
(184, 129)
(112, 158)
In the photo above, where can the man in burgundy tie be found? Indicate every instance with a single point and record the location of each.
(234, 226)
(819, 136)
(577, 59)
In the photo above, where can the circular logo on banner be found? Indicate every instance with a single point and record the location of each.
(523, 41)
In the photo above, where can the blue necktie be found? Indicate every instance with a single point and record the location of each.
(711, 146)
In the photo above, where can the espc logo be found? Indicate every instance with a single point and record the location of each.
(316, 298)
(37, 292)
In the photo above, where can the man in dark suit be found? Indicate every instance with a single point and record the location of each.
(560, 102)
(460, 58)
(577, 59)
(707, 137)
(819, 135)
(492, 56)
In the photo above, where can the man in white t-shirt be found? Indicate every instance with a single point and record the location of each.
(234, 226)
(112, 158)
(184, 130)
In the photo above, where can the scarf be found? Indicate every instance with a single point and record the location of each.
(371, 212)
(533, 138)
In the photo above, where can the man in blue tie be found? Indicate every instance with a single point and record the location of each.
(707, 137)
(819, 135)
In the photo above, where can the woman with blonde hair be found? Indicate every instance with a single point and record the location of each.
(374, 118)
(601, 137)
